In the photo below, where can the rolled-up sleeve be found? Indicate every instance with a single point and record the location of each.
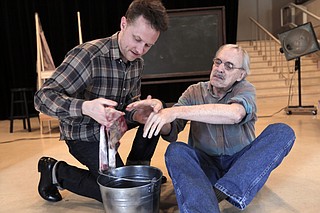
(69, 78)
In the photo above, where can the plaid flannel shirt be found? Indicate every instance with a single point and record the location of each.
(89, 71)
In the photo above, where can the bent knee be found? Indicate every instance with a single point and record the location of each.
(178, 150)
(282, 127)
(174, 148)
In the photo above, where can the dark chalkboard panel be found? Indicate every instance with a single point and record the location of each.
(185, 51)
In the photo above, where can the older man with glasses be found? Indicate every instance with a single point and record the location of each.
(222, 159)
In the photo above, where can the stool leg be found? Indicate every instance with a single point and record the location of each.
(26, 110)
(11, 112)
(24, 123)
(22, 108)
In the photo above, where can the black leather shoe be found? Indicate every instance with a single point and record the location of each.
(163, 179)
(46, 188)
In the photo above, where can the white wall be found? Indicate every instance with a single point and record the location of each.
(314, 7)
(267, 13)
(260, 10)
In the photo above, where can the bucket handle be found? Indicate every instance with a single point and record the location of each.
(153, 180)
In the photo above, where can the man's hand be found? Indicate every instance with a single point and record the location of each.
(102, 110)
(144, 108)
(159, 122)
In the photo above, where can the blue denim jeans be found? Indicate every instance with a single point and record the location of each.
(240, 176)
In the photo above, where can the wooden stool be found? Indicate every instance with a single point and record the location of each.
(19, 96)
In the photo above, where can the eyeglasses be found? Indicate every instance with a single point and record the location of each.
(227, 65)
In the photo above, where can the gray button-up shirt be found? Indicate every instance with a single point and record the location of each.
(218, 139)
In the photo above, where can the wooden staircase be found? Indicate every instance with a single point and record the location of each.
(271, 85)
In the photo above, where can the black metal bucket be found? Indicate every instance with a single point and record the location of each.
(131, 189)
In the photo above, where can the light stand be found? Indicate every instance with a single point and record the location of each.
(300, 109)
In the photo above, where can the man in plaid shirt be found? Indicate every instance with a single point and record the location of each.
(96, 80)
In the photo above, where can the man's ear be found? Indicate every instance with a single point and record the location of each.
(243, 74)
(123, 23)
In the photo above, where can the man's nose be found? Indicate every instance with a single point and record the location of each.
(220, 68)
(140, 48)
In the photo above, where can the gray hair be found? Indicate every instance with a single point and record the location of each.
(245, 56)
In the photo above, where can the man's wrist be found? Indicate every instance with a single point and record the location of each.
(131, 115)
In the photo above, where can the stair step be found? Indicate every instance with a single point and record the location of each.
(263, 77)
(270, 83)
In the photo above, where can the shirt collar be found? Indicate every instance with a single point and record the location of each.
(114, 48)
(209, 87)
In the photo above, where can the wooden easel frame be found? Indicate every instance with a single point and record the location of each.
(45, 65)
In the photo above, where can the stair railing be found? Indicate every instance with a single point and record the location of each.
(268, 47)
(292, 8)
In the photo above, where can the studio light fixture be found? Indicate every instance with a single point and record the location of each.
(297, 42)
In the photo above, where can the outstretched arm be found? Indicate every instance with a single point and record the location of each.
(206, 113)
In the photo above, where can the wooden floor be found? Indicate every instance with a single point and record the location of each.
(293, 187)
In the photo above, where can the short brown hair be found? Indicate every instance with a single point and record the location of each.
(152, 10)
